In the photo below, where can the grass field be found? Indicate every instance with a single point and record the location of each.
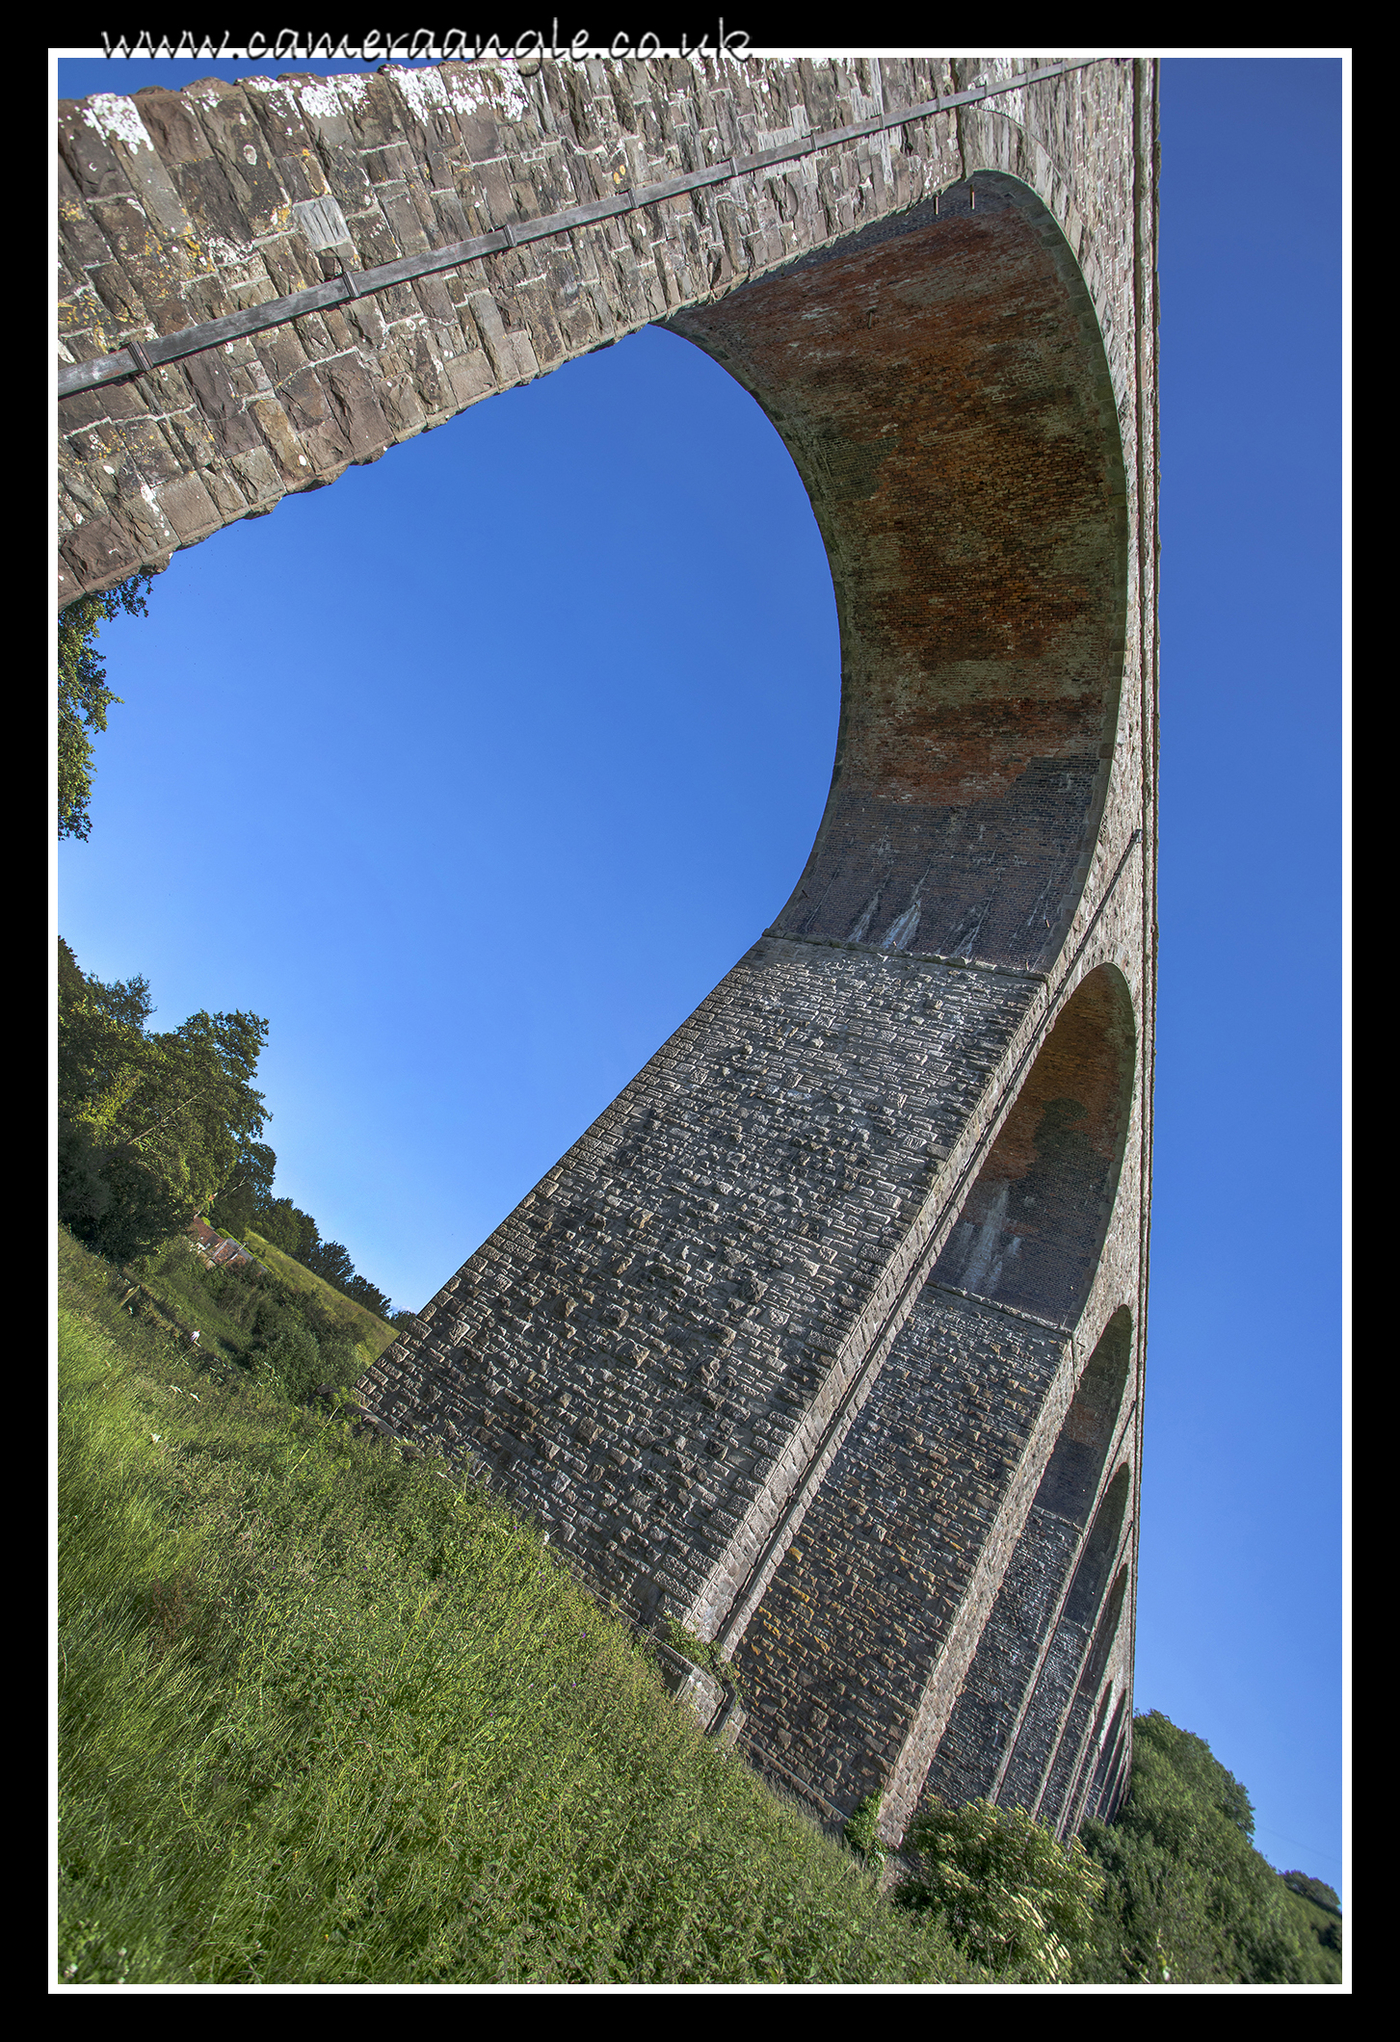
(329, 1716)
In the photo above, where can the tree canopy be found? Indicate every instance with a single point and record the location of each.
(152, 1126)
(1171, 1891)
(296, 1233)
(83, 695)
(1187, 1897)
(155, 1129)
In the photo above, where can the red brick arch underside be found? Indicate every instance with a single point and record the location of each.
(940, 382)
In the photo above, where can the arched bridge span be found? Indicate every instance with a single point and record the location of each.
(940, 382)
(825, 1339)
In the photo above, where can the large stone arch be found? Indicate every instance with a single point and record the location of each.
(940, 382)
(873, 1176)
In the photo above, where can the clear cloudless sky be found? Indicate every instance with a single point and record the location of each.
(477, 771)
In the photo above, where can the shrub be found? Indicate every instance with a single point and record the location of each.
(1013, 1898)
(292, 1359)
(700, 1652)
(862, 1830)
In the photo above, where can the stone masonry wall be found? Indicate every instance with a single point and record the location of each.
(741, 1353)
(1061, 1766)
(665, 1324)
(991, 1708)
(841, 1648)
(1061, 1679)
(178, 207)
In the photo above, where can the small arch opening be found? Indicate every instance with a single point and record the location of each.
(1071, 1478)
(1086, 1589)
(1065, 1671)
(1052, 1806)
(1035, 1220)
(983, 1722)
(1098, 1756)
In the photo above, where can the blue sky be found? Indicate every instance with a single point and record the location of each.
(474, 774)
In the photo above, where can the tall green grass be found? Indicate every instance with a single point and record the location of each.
(329, 1716)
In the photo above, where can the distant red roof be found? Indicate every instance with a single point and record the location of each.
(220, 1248)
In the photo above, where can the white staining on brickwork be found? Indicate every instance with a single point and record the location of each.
(485, 88)
(982, 1244)
(901, 931)
(860, 927)
(423, 92)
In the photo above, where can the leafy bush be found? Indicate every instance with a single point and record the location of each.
(1013, 1898)
(700, 1652)
(292, 1360)
(862, 1830)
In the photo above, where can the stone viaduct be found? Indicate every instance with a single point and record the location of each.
(826, 1339)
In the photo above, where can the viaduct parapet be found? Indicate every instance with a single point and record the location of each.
(826, 1339)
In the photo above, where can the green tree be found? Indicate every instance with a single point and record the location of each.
(1013, 1897)
(234, 1206)
(285, 1226)
(151, 1126)
(83, 695)
(1318, 1915)
(368, 1294)
(1186, 1894)
(1312, 1889)
(331, 1261)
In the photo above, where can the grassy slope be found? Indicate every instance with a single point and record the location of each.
(176, 1281)
(370, 1334)
(328, 1716)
